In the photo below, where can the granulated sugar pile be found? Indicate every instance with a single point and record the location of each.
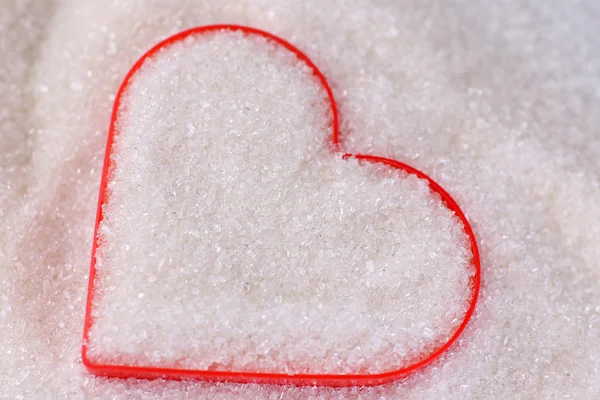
(234, 239)
(498, 102)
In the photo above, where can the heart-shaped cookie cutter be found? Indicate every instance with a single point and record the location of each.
(127, 371)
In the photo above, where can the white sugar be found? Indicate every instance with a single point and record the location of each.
(249, 245)
(498, 101)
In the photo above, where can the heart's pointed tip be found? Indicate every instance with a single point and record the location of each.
(343, 154)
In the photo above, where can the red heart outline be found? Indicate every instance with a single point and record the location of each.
(125, 371)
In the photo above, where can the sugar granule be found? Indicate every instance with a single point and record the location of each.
(233, 238)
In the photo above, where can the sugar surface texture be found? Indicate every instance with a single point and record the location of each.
(233, 238)
(498, 101)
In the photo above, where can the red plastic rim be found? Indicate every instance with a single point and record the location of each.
(126, 371)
